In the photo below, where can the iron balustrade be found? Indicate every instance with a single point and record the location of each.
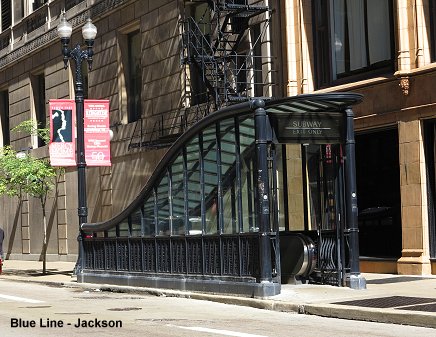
(206, 255)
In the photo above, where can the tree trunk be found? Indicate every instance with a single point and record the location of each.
(44, 243)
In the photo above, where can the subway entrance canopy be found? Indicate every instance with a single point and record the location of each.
(254, 195)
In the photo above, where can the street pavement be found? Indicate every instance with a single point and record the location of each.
(398, 299)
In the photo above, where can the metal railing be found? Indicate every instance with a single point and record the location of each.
(214, 255)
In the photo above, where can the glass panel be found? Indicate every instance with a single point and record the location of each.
(379, 34)
(123, 228)
(178, 193)
(149, 219)
(194, 190)
(315, 186)
(294, 171)
(135, 220)
(99, 235)
(247, 147)
(228, 171)
(112, 233)
(210, 179)
(163, 209)
(361, 34)
(281, 190)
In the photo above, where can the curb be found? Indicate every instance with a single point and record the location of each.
(390, 316)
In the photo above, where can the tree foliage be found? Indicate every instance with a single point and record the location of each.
(20, 173)
(24, 174)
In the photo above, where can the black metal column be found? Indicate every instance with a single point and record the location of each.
(81, 163)
(263, 191)
(356, 280)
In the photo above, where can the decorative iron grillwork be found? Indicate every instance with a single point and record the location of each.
(230, 256)
(123, 255)
(99, 256)
(149, 249)
(163, 256)
(135, 254)
(212, 256)
(195, 256)
(178, 256)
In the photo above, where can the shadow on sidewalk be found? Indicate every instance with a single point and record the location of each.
(37, 272)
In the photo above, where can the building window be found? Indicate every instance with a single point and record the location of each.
(6, 14)
(4, 118)
(38, 113)
(433, 29)
(71, 3)
(135, 76)
(353, 37)
(130, 74)
(198, 40)
(37, 3)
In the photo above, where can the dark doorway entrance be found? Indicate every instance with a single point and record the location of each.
(378, 189)
(430, 160)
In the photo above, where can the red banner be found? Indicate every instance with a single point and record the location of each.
(97, 137)
(62, 147)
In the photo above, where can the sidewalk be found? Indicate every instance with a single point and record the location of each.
(398, 299)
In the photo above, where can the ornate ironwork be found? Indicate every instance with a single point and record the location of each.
(239, 255)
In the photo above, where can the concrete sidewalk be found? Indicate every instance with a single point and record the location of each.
(398, 299)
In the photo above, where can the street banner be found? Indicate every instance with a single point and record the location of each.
(62, 147)
(97, 137)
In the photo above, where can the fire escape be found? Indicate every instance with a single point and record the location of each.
(225, 60)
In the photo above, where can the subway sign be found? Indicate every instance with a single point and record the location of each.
(311, 128)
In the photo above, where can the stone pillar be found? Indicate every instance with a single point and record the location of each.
(405, 30)
(414, 216)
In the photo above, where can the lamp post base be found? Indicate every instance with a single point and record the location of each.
(357, 282)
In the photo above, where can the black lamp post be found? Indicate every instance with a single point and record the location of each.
(89, 31)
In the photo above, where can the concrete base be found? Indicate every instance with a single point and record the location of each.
(357, 282)
(241, 288)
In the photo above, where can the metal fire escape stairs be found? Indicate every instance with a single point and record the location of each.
(221, 66)
(224, 55)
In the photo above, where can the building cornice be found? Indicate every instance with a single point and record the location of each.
(97, 10)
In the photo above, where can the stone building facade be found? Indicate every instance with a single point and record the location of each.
(394, 124)
(130, 33)
(384, 50)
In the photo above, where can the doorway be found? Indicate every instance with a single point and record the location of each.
(312, 220)
(378, 188)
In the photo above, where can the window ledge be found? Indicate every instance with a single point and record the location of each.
(416, 71)
(358, 84)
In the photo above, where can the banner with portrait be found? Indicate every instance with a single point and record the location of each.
(62, 147)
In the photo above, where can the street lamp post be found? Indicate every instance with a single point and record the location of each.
(89, 31)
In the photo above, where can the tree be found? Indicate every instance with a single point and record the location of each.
(25, 174)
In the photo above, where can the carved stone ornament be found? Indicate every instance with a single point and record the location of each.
(405, 85)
